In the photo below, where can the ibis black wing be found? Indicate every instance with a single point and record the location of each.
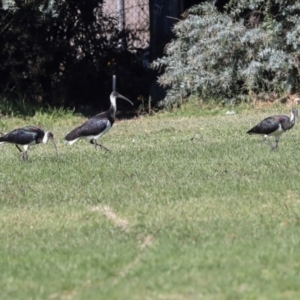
(266, 126)
(36, 131)
(91, 127)
(20, 136)
(32, 129)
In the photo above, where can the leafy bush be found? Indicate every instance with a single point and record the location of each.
(253, 47)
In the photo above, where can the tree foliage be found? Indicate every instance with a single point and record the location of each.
(63, 52)
(252, 47)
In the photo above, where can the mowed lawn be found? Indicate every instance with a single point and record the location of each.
(185, 206)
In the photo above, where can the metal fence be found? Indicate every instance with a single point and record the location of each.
(132, 15)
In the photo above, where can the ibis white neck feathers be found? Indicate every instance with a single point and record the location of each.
(46, 137)
(292, 117)
(113, 102)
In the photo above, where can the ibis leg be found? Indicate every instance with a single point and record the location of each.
(19, 148)
(24, 156)
(99, 145)
(93, 142)
(267, 142)
(276, 143)
(102, 147)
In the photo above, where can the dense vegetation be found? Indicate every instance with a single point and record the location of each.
(250, 48)
(65, 54)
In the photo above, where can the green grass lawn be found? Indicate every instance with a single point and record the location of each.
(186, 206)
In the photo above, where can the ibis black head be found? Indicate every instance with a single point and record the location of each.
(50, 135)
(295, 112)
(116, 95)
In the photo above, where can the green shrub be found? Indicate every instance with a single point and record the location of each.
(253, 47)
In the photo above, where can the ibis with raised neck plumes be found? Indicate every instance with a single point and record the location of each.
(275, 126)
(27, 136)
(98, 125)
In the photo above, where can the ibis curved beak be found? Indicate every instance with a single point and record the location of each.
(120, 96)
(54, 145)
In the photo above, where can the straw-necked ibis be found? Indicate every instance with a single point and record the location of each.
(275, 126)
(96, 126)
(27, 136)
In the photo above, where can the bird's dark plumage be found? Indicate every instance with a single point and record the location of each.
(96, 126)
(271, 124)
(24, 136)
(27, 136)
(275, 126)
(92, 127)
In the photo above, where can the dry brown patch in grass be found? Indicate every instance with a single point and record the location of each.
(124, 225)
(287, 100)
(147, 241)
(291, 195)
(67, 295)
(128, 268)
(177, 297)
(118, 221)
